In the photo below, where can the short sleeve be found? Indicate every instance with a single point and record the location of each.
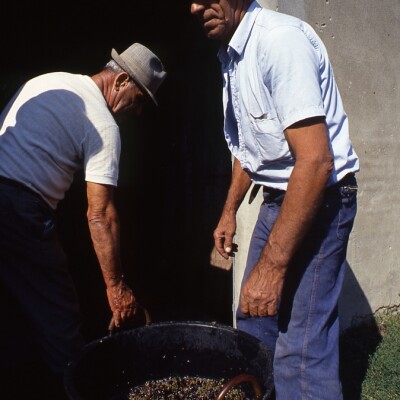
(101, 149)
(291, 62)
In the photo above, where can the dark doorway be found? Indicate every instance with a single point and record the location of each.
(175, 167)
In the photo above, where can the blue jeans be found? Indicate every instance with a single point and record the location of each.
(34, 268)
(305, 334)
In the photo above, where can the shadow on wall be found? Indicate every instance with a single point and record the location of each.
(359, 338)
(353, 303)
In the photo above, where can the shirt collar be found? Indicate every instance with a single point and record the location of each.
(242, 33)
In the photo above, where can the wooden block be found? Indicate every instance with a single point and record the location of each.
(216, 260)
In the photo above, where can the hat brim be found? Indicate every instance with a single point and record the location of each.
(116, 57)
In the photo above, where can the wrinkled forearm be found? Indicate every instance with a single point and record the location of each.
(105, 234)
(226, 228)
(309, 144)
(302, 201)
(240, 184)
(104, 229)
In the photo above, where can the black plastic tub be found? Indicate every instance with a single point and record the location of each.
(109, 367)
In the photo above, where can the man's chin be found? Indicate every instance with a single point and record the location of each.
(213, 35)
(216, 33)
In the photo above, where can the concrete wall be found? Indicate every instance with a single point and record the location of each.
(362, 39)
(188, 167)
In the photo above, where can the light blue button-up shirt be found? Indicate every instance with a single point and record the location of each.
(276, 72)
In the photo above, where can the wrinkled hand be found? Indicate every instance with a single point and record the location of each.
(261, 292)
(122, 302)
(223, 235)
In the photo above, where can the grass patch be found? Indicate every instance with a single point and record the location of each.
(370, 357)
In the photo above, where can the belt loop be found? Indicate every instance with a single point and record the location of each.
(254, 192)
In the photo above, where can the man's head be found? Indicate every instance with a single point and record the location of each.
(220, 18)
(130, 79)
(143, 66)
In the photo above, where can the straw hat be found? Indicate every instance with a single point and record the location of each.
(143, 66)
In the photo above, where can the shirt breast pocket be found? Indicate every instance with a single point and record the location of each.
(268, 136)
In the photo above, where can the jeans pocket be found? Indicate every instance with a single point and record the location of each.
(347, 212)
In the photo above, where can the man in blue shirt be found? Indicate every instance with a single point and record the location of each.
(288, 133)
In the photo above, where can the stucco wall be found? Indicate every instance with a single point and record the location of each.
(362, 39)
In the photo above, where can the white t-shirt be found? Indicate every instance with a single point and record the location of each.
(276, 72)
(55, 125)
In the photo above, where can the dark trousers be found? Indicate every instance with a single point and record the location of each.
(33, 267)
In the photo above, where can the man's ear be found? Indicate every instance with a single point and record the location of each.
(121, 80)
